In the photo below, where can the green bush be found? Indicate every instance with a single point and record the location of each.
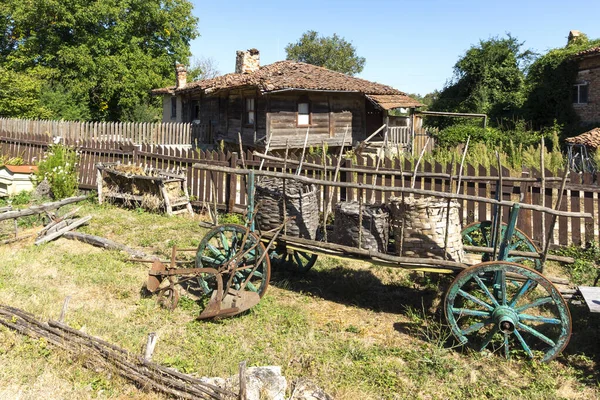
(59, 168)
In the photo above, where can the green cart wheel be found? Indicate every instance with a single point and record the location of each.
(480, 234)
(222, 244)
(298, 261)
(518, 310)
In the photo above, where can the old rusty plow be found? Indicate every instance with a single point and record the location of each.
(231, 268)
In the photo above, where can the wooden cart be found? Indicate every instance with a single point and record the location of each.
(504, 301)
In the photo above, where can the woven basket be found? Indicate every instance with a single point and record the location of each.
(300, 202)
(419, 227)
(375, 226)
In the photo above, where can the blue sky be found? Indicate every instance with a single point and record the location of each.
(410, 45)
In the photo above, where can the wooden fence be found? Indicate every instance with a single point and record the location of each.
(165, 133)
(229, 193)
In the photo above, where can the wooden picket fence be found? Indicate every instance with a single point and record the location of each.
(165, 133)
(228, 191)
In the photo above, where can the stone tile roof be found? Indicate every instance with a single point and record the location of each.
(21, 169)
(589, 138)
(589, 52)
(291, 75)
(388, 102)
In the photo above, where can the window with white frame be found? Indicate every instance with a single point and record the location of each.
(580, 93)
(303, 113)
(250, 111)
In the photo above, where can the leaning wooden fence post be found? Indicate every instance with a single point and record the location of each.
(233, 182)
(543, 190)
(498, 219)
(554, 216)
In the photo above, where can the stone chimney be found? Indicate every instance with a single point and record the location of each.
(247, 61)
(573, 36)
(181, 76)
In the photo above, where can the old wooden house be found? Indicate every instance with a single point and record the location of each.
(278, 103)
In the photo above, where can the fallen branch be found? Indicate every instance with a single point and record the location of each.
(105, 244)
(70, 226)
(99, 354)
(33, 210)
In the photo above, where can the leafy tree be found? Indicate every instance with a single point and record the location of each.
(488, 78)
(20, 95)
(332, 52)
(106, 54)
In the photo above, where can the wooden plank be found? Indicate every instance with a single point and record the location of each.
(575, 201)
(588, 206)
(591, 295)
(469, 187)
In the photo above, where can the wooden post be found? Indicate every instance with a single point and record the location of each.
(554, 216)
(543, 189)
(150, 345)
(242, 394)
(63, 311)
(233, 182)
(303, 152)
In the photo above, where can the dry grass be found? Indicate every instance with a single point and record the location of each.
(357, 330)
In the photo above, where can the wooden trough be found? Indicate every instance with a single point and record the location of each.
(149, 188)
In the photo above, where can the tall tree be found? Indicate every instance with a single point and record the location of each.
(106, 55)
(488, 78)
(332, 52)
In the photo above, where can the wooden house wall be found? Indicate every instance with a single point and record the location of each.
(277, 113)
(330, 115)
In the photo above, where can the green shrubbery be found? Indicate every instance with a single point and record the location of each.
(518, 148)
(59, 169)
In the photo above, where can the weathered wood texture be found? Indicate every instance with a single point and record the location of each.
(164, 133)
(228, 190)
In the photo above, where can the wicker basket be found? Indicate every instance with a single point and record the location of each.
(375, 226)
(300, 202)
(419, 227)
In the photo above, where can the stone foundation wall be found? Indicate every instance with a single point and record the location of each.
(419, 228)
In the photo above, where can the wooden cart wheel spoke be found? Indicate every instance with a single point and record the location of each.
(298, 261)
(537, 334)
(538, 318)
(476, 327)
(486, 290)
(487, 340)
(480, 234)
(522, 290)
(542, 332)
(475, 300)
(523, 343)
(474, 313)
(537, 303)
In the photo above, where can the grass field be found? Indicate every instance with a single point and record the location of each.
(358, 331)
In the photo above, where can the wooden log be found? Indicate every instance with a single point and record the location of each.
(75, 224)
(33, 210)
(106, 244)
(393, 189)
